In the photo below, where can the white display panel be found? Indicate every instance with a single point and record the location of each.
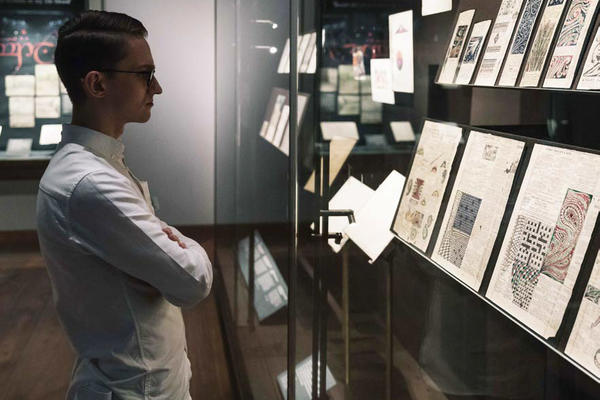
(348, 84)
(47, 107)
(19, 85)
(547, 237)
(402, 131)
(520, 42)
(21, 112)
(329, 80)
(498, 43)
(18, 147)
(430, 7)
(381, 81)
(353, 195)
(476, 206)
(371, 232)
(584, 342)
(540, 46)
(590, 77)
(50, 134)
(459, 36)
(331, 129)
(47, 82)
(426, 184)
(401, 51)
(570, 43)
(472, 52)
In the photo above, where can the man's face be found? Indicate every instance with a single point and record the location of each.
(129, 94)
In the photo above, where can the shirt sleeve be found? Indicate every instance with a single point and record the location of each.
(109, 219)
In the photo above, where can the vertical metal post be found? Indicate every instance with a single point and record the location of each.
(322, 265)
(251, 280)
(389, 359)
(293, 202)
(237, 139)
(316, 287)
(346, 305)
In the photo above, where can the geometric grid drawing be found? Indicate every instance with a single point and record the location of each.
(459, 228)
(523, 34)
(472, 50)
(525, 256)
(566, 233)
(559, 67)
(574, 23)
(458, 41)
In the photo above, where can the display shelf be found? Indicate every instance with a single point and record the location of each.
(539, 89)
(558, 342)
(493, 305)
(35, 155)
(489, 10)
(27, 167)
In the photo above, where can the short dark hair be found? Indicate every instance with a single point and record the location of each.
(91, 41)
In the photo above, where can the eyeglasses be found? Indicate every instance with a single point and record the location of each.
(150, 74)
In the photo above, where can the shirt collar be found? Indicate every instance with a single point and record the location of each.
(106, 146)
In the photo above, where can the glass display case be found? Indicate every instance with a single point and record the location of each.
(407, 205)
(33, 101)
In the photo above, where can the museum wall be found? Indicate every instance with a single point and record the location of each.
(175, 149)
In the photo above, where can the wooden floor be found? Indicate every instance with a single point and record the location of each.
(36, 358)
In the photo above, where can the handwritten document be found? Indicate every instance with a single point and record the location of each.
(547, 237)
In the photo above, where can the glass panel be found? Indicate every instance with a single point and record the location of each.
(389, 310)
(252, 190)
(405, 326)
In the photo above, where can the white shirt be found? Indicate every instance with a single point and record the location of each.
(118, 280)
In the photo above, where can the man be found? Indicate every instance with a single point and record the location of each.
(119, 274)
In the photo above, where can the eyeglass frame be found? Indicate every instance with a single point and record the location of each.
(149, 73)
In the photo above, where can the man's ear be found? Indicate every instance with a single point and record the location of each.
(94, 84)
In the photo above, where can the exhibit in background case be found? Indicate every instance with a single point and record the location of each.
(540, 47)
(420, 203)
(547, 237)
(472, 52)
(270, 289)
(520, 42)
(584, 342)
(401, 51)
(476, 206)
(275, 127)
(457, 41)
(381, 80)
(570, 44)
(498, 43)
(31, 94)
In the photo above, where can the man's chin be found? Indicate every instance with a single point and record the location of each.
(144, 118)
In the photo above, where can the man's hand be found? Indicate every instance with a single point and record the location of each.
(174, 238)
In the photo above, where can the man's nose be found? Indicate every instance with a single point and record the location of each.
(156, 88)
